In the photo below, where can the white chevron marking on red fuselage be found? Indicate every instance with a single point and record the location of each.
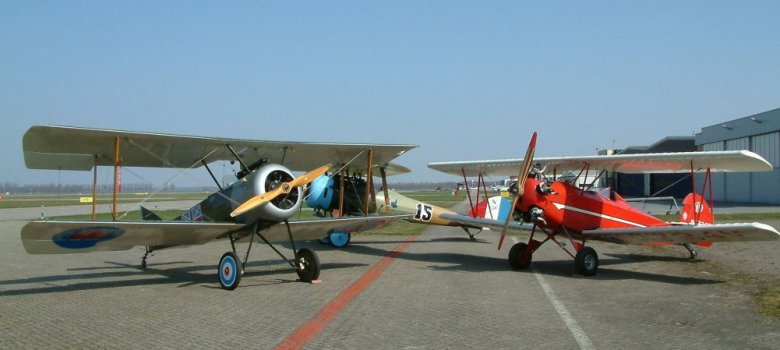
(600, 215)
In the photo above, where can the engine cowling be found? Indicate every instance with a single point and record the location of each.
(320, 193)
(265, 179)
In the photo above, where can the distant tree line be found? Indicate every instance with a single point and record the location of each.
(420, 186)
(10, 187)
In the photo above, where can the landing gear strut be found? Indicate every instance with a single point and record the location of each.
(306, 262)
(586, 261)
(691, 250)
(146, 254)
(472, 236)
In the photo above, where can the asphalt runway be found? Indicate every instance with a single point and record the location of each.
(437, 290)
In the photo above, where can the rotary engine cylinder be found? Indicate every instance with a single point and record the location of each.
(266, 179)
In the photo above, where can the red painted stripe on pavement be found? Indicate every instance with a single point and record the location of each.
(314, 326)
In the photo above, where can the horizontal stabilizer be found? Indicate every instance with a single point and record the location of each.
(679, 234)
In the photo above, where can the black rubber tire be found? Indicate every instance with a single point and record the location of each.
(229, 279)
(518, 258)
(311, 265)
(586, 262)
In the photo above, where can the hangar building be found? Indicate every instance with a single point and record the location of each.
(656, 185)
(759, 133)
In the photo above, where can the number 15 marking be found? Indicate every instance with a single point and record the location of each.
(424, 212)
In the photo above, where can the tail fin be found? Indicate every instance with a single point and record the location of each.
(148, 215)
(494, 208)
(696, 210)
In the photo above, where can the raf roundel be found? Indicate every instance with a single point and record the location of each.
(86, 237)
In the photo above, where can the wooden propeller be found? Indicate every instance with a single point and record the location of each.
(529, 157)
(284, 188)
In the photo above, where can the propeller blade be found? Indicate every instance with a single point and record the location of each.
(529, 157)
(285, 188)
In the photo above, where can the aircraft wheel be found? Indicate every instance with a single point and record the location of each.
(324, 240)
(229, 271)
(339, 239)
(518, 258)
(586, 261)
(308, 265)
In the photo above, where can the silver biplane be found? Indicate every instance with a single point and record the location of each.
(259, 204)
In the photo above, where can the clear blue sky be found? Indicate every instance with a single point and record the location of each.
(464, 80)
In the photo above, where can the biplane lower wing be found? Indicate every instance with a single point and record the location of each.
(679, 234)
(64, 237)
(482, 223)
(306, 230)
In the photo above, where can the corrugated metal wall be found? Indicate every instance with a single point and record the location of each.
(748, 187)
(758, 133)
(768, 146)
(766, 186)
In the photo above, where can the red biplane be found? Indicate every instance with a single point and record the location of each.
(554, 208)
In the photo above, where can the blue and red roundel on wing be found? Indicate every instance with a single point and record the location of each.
(86, 237)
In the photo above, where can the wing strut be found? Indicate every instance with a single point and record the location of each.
(244, 168)
(706, 185)
(369, 181)
(468, 191)
(341, 193)
(94, 188)
(116, 176)
(384, 189)
(487, 197)
(212, 174)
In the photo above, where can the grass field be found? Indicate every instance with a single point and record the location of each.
(443, 199)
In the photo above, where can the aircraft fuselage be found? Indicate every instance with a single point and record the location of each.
(569, 207)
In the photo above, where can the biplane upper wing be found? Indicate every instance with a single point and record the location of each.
(680, 162)
(480, 223)
(71, 148)
(678, 234)
(62, 237)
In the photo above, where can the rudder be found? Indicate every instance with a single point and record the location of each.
(148, 215)
(696, 210)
